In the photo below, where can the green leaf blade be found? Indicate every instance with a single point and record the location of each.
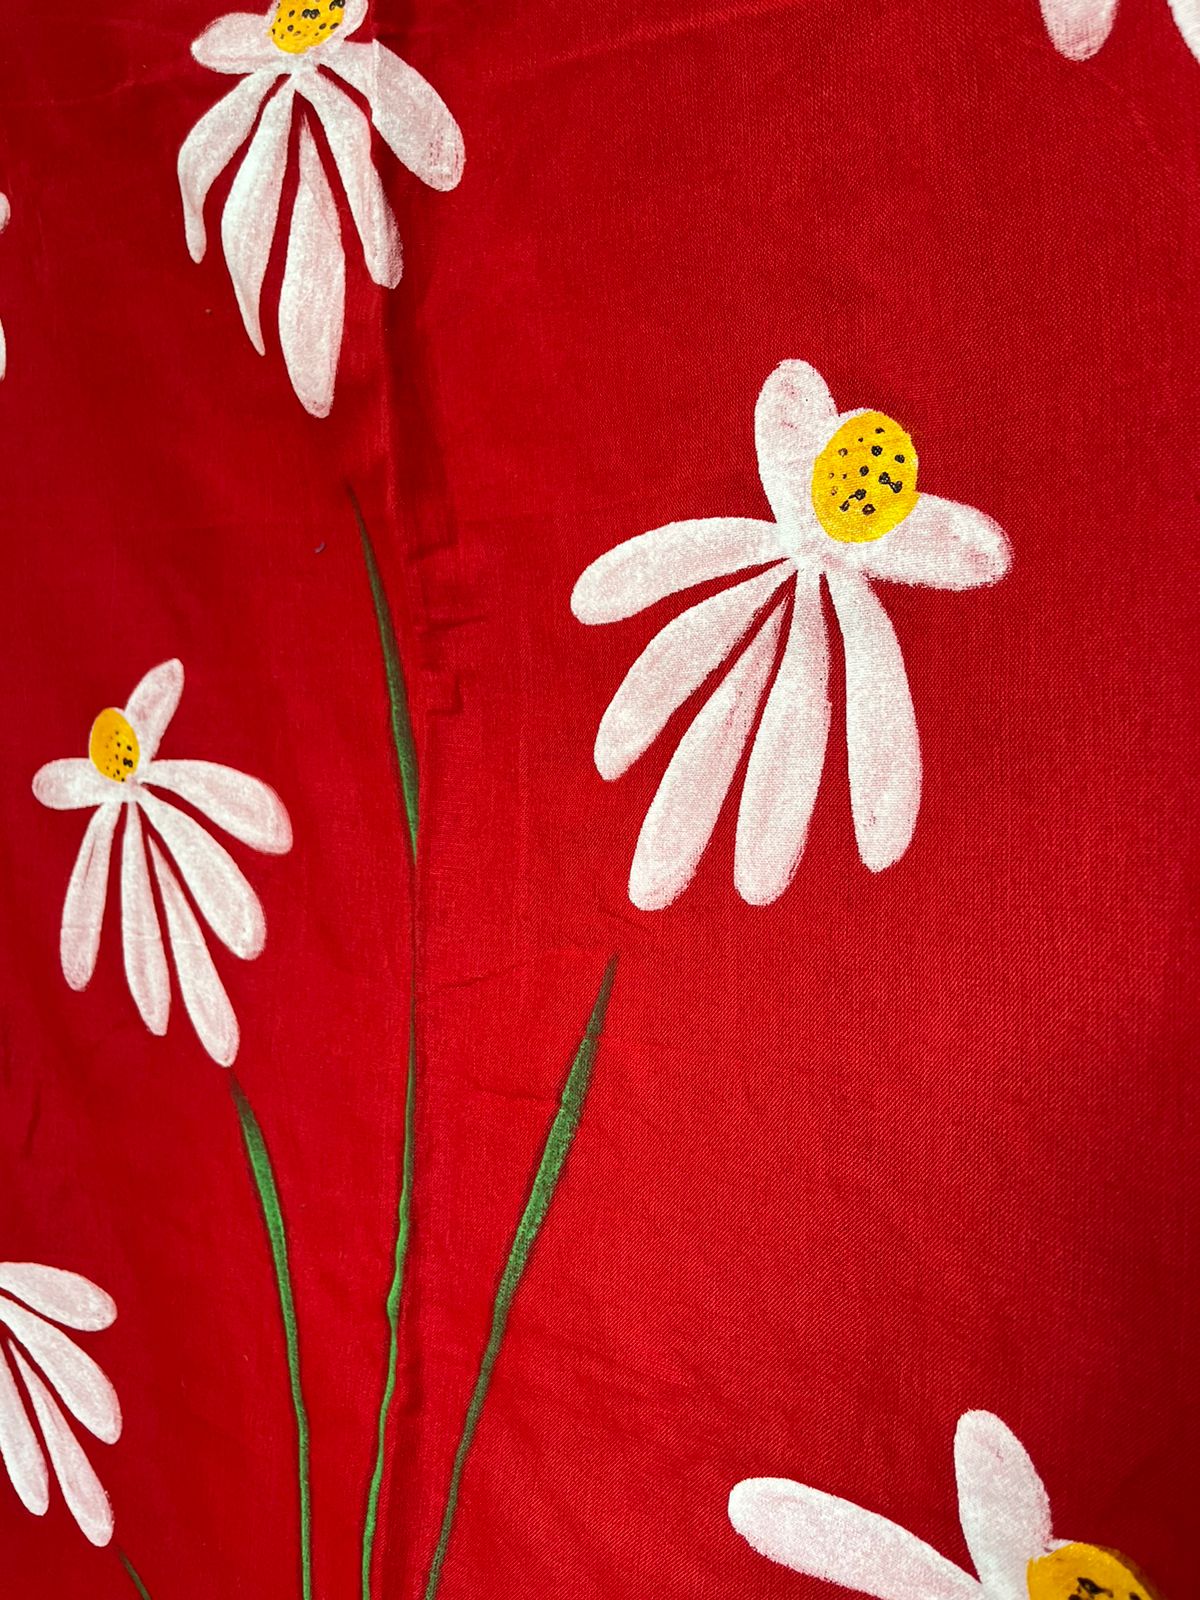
(545, 1182)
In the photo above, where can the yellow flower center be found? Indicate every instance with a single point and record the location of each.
(1085, 1572)
(113, 746)
(299, 25)
(865, 480)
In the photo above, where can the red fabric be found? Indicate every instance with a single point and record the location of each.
(891, 1148)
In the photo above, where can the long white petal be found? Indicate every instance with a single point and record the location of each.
(828, 1538)
(203, 992)
(68, 1297)
(211, 146)
(71, 784)
(248, 220)
(77, 1378)
(1079, 27)
(312, 300)
(642, 571)
(245, 807)
(87, 891)
(19, 1448)
(81, 1488)
(684, 811)
(152, 705)
(1187, 20)
(238, 42)
(141, 938)
(218, 885)
(1002, 1504)
(410, 114)
(881, 726)
(942, 544)
(349, 135)
(674, 665)
(787, 757)
(793, 419)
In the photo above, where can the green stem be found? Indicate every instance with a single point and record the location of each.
(133, 1575)
(554, 1154)
(402, 734)
(406, 760)
(395, 1294)
(268, 1194)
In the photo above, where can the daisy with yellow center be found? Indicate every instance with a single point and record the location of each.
(121, 778)
(847, 513)
(1005, 1516)
(290, 61)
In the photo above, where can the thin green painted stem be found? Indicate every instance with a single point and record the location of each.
(402, 734)
(264, 1181)
(406, 760)
(395, 1294)
(133, 1575)
(554, 1154)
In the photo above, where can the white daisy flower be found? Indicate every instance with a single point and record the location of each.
(843, 489)
(1005, 1516)
(1079, 27)
(32, 1300)
(294, 50)
(119, 777)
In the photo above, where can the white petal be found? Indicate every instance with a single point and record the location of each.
(141, 940)
(87, 891)
(942, 544)
(77, 1378)
(1002, 1504)
(349, 135)
(248, 221)
(674, 665)
(217, 883)
(313, 297)
(19, 1447)
(3, 352)
(787, 757)
(211, 146)
(684, 812)
(237, 43)
(71, 784)
(412, 117)
(68, 1297)
(881, 727)
(152, 705)
(248, 809)
(793, 421)
(81, 1488)
(202, 990)
(1079, 27)
(352, 19)
(1187, 20)
(833, 1539)
(644, 570)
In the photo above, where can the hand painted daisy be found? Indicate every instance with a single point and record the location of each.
(285, 51)
(1079, 27)
(844, 493)
(1005, 1516)
(118, 777)
(32, 1300)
